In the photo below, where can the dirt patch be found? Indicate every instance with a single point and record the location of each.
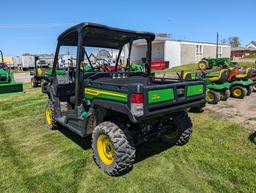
(242, 111)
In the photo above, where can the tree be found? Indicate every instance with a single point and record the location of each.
(234, 41)
(224, 41)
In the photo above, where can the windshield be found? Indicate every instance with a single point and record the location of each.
(132, 57)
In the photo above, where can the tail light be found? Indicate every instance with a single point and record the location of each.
(137, 104)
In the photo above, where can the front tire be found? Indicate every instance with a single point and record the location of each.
(112, 151)
(50, 115)
(213, 97)
(180, 131)
(34, 83)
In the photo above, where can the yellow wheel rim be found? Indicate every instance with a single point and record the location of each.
(237, 92)
(105, 149)
(202, 66)
(210, 97)
(48, 115)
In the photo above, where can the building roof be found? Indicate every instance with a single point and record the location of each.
(162, 40)
(189, 41)
(243, 49)
(253, 43)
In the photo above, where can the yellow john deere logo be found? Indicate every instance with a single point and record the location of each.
(156, 96)
(94, 92)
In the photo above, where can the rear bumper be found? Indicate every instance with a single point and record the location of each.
(172, 109)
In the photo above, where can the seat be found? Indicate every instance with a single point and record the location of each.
(186, 76)
(247, 74)
(39, 72)
(253, 77)
(190, 76)
(218, 77)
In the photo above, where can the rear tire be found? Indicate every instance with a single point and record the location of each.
(225, 95)
(203, 65)
(238, 92)
(116, 155)
(181, 130)
(213, 97)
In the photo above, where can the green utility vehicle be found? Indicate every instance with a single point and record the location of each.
(217, 84)
(119, 109)
(208, 63)
(7, 83)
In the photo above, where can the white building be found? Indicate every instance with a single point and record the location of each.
(179, 52)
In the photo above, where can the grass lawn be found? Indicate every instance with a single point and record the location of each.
(219, 157)
(194, 67)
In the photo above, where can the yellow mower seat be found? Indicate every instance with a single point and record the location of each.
(186, 76)
(218, 77)
(244, 75)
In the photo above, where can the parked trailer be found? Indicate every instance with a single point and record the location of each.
(28, 61)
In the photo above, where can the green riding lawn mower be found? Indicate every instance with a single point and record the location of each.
(217, 84)
(209, 63)
(241, 82)
(118, 110)
(7, 83)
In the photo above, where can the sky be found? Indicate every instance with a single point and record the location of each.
(32, 26)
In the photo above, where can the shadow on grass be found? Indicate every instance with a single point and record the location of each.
(83, 142)
(252, 137)
(143, 151)
(150, 149)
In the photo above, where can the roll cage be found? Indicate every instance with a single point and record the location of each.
(97, 35)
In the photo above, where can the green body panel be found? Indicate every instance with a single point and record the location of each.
(58, 72)
(219, 86)
(242, 82)
(212, 74)
(92, 93)
(12, 87)
(2, 72)
(87, 68)
(158, 96)
(194, 90)
(6, 76)
(137, 67)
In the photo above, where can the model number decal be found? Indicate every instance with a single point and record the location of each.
(95, 92)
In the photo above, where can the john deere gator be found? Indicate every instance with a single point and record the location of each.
(119, 110)
(7, 83)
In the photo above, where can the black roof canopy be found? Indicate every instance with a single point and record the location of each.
(97, 35)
